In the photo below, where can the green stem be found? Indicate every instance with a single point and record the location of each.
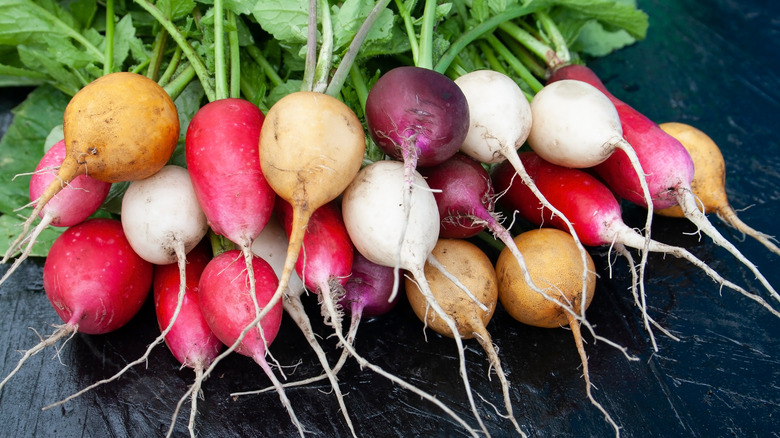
(521, 70)
(533, 64)
(345, 66)
(325, 58)
(557, 39)
(177, 85)
(173, 64)
(491, 58)
(158, 50)
(235, 56)
(220, 70)
(409, 26)
(189, 52)
(425, 60)
(257, 55)
(138, 68)
(485, 27)
(360, 86)
(108, 65)
(311, 49)
(528, 41)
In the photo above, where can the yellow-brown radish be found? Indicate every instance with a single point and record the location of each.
(120, 127)
(555, 265)
(474, 270)
(709, 180)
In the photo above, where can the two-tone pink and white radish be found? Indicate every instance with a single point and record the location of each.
(162, 221)
(189, 339)
(78, 200)
(97, 300)
(666, 162)
(594, 209)
(223, 161)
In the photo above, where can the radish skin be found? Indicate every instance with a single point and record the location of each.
(595, 211)
(72, 205)
(468, 263)
(162, 221)
(190, 339)
(92, 301)
(668, 166)
(501, 119)
(325, 265)
(230, 312)
(376, 222)
(102, 136)
(223, 160)
(709, 181)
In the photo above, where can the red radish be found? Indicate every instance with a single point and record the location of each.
(230, 312)
(667, 163)
(324, 264)
(418, 116)
(381, 229)
(162, 221)
(97, 300)
(593, 208)
(78, 200)
(223, 161)
(189, 339)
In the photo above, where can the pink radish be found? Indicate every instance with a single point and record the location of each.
(325, 264)
(592, 206)
(97, 300)
(162, 221)
(386, 234)
(230, 312)
(667, 163)
(190, 339)
(223, 161)
(73, 204)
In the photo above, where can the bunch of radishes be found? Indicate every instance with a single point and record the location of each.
(298, 209)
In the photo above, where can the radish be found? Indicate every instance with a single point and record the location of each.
(472, 266)
(324, 265)
(709, 181)
(222, 158)
(593, 208)
(576, 125)
(553, 260)
(73, 204)
(501, 120)
(668, 166)
(121, 127)
(380, 228)
(97, 300)
(162, 221)
(230, 312)
(418, 116)
(308, 167)
(189, 339)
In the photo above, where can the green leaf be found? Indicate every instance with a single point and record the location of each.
(11, 226)
(21, 148)
(286, 20)
(175, 9)
(614, 14)
(84, 12)
(594, 40)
